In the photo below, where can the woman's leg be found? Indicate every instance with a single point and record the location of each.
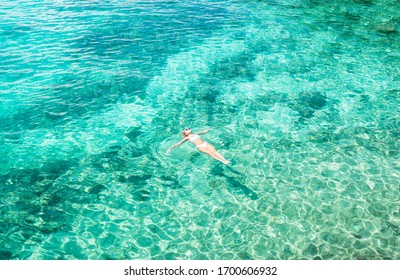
(221, 157)
(210, 150)
(224, 161)
(216, 154)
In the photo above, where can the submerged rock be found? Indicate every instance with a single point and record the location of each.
(386, 28)
(133, 132)
(308, 103)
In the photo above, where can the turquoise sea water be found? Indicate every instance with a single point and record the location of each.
(303, 96)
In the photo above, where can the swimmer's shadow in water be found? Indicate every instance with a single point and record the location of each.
(234, 180)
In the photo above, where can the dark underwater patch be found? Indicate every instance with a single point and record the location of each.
(393, 94)
(54, 215)
(141, 195)
(211, 96)
(71, 97)
(21, 176)
(364, 2)
(115, 148)
(133, 132)
(28, 119)
(320, 137)
(55, 169)
(14, 136)
(45, 115)
(62, 194)
(393, 228)
(314, 100)
(386, 28)
(96, 188)
(170, 181)
(158, 231)
(23, 205)
(5, 255)
(308, 103)
(234, 181)
(135, 148)
(109, 155)
(110, 159)
(236, 67)
(311, 250)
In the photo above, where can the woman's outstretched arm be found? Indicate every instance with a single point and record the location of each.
(203, 132)
(177, 144)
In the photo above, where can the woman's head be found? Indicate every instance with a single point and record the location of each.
(186, 132)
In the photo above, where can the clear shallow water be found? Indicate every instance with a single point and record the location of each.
(304, 96)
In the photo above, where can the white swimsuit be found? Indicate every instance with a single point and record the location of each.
(194, 137)
(202, 145)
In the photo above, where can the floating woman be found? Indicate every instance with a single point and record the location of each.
(200, 144)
